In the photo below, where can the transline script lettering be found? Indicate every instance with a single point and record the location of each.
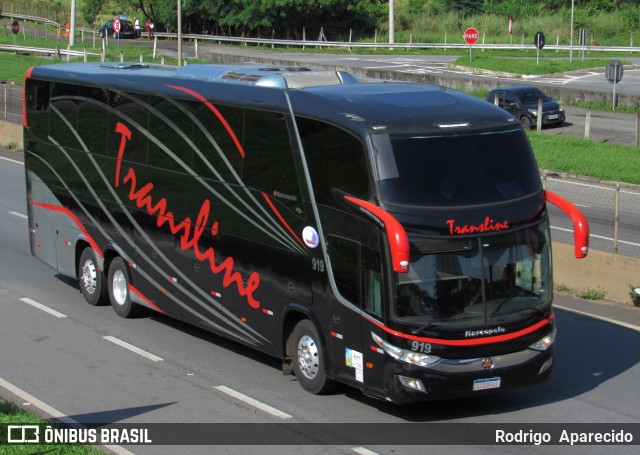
(191, 232)
(488, 226)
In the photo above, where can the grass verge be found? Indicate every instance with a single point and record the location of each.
(10, 414)
(618, 163)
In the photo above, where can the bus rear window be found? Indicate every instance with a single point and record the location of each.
(455, 170)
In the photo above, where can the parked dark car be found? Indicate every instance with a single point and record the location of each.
(522, 102)
(126, 30)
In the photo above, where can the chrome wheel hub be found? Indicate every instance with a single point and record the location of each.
(308, 357)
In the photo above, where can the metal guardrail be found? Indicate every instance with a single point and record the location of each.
(344, 44)
(44, 50)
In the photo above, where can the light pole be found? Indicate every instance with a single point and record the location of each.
(72, 24)
(392, 30)
(571, 39)
(179, 33)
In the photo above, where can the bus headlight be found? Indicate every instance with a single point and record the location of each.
(404, 355)
(545, 342)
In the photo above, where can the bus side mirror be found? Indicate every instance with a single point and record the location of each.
(397, 236)
(580, 225)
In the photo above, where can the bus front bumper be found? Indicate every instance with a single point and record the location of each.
(466, 377)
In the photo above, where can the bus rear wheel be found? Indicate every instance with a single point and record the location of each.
(119, 293)
(308, 359)
(91, 279)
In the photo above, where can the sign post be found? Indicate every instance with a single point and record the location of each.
(538, 40)
(471, 36)
(15, 29)
(116, 28)
(613, 73)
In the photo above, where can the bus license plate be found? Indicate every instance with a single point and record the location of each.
(485, 384)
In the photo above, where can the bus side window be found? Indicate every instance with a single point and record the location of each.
(170, 122)
(37, 102)
(218, 156)
(93, 118)
(63, 120)
(372, 281)
(335, 158)
(357, 273)
(128, 108)
(345, 264)
(268, 165)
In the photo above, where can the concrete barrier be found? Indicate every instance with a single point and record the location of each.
(612, 273)
(10, 133)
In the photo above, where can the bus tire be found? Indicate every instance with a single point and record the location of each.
(308, 359)
(119, 293)
(91, 279)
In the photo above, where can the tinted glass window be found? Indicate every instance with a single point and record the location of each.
(456, 170)
(171, 125)
(218, 156)
(345, 264)
(63, 121)
(268, 164)
(37, 102)
(336, 160)
(135, 116)
(93, 118)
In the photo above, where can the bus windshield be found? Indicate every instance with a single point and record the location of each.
(478, 281)
(455, 170)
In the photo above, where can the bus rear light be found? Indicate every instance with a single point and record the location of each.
(412, 383)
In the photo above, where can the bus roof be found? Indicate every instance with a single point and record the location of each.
(335, 96)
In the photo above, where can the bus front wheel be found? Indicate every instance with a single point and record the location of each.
(119, 293)
(308, 358)
(90, 278)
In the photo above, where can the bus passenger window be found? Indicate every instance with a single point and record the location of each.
(335, 158)
(268, 165)
(170, 124)
(128, 108)
(93, 118)
(372, 276)
(37, 103)
(345, 260)
(63, 120)
(217, 154)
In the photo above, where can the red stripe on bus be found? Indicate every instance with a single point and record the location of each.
(213, 109)
(282, 220)
(466, 342)
(145, 299)
(60, 209)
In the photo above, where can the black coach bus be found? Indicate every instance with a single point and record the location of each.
(391, 236)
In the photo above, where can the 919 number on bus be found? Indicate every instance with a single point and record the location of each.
(317, 265)
(421, 346)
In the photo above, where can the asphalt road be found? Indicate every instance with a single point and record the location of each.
(72, 363)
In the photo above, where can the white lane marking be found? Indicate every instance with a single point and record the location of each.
(53, 412)
(601, 318)
(363, 451)
(21, 215)
(10, 160)
(44, 308)
(133, 348)
(252, 402)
